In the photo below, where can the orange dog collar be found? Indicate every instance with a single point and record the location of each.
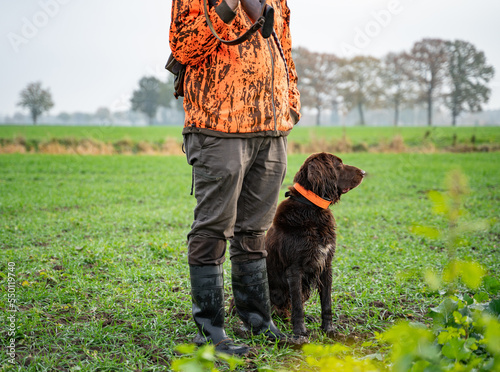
(312, 197)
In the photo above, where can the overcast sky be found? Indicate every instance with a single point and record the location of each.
(92, 53)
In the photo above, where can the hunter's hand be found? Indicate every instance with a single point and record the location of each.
(233, 4)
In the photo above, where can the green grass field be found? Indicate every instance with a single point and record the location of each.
(98, 248)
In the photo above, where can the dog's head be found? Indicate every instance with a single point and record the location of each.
(327, 176)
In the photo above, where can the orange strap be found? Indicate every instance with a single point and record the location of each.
(312, 197)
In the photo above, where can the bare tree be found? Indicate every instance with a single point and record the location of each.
(361, 84)
(36, 99)
(317, 74)
(469, 75)
(429, 58)
(399, 88)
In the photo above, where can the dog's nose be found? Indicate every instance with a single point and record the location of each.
(363, 172)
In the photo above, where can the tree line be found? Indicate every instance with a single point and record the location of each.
(434, 72)
(150, 95)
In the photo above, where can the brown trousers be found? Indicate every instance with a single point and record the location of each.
(237, 183)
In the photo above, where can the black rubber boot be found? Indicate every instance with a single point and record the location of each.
(251, 298)
(207, 291)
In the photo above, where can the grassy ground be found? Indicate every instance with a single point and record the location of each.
(99, 254)
(102, 133)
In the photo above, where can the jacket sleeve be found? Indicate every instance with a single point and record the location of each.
(191, 41)
(286, 43)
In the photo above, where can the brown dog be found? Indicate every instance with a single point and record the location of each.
(302, 240)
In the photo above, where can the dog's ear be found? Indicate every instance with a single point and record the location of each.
(323, 172)
(319, 174)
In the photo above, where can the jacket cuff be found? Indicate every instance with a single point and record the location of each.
(225, 12)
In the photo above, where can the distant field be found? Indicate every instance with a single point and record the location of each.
(301, 139)
(100, 133)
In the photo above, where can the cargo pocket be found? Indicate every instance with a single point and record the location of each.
(200, 172)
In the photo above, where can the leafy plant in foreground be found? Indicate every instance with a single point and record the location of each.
(466, 332)
(333, 358)
(450, 206)
(466, 329)
(202, 359)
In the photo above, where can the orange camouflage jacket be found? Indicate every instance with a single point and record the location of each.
(235, 90)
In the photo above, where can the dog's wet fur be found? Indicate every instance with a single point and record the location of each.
(301, 241)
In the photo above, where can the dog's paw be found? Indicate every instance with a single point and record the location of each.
(300, 331)
(329, 330)
(298, 340)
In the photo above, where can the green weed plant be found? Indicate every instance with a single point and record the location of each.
(203, 359)
(465, 335)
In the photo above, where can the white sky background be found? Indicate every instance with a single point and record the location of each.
(92, 53)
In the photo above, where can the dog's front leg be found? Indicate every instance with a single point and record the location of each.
(294, 278)
(325, 295)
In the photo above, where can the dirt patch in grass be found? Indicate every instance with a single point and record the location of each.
(88, 146)
(171, 146)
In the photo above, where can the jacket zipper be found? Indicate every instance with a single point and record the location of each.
(272, 86)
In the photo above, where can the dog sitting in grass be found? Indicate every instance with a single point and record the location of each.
(301, 241)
